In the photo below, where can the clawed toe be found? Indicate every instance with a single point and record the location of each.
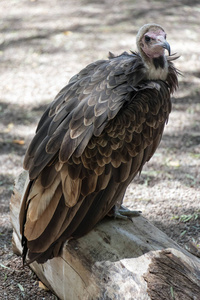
(124, 213)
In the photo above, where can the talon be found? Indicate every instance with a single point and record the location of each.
(129, 213)
(124, 213)
(118, 215)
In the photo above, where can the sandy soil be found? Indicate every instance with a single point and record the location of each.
(42, 44)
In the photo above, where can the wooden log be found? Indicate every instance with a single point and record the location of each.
(118, 259)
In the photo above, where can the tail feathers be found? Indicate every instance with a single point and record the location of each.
(53, 251)
(86, 214)
(25, 249)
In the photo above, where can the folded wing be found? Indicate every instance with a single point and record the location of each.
(90, 143)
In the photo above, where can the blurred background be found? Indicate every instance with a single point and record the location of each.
(42, 45)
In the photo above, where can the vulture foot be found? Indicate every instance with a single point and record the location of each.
(124, 213)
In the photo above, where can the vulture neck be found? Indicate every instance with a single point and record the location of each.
(156, 68)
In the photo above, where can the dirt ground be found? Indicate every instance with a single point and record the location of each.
(42, 44)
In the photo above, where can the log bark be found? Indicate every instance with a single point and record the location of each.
(118, 259)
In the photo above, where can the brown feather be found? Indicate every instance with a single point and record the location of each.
(39, 216)
(71, 187)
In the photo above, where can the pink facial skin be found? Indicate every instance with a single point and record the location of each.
(154, 47)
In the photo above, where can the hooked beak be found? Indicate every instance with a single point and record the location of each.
(166, 46)
(161, 41)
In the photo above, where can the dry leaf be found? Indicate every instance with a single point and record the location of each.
(19, 142)
(67, 32)
(42, 286)
(174, 163)
(9, 127)
(20, 287)
(3, 266)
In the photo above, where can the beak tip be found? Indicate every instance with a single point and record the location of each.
(166, 45)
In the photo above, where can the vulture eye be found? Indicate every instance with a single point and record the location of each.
(147, 38)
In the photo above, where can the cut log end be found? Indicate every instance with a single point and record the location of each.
(171, 277)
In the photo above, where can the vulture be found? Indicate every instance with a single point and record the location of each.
(92, 140)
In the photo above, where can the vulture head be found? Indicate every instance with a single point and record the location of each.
(151, 44)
